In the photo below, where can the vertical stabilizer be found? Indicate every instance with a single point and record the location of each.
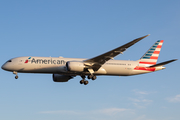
(151, 56)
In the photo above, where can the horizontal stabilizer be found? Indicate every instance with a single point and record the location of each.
(163, 63)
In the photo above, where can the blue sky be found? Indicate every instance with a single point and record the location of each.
(84, 29)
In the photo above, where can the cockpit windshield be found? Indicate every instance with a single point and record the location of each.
(9, 61)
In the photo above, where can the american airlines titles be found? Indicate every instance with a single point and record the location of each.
(45, 61)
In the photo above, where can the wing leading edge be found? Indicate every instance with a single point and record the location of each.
(96, 62)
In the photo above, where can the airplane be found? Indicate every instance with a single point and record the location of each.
(64, 69)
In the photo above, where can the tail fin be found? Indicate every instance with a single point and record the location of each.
(151, 56)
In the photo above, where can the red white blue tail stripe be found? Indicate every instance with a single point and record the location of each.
(151, 56)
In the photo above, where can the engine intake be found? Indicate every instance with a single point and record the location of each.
(61, 78)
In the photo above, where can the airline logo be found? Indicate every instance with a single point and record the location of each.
(44, 61)
(151, 56)
(27, 60)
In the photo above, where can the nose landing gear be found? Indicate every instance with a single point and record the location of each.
(14, 72)
(16, 77)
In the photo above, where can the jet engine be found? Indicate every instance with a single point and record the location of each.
(75, 66)
(61, 78)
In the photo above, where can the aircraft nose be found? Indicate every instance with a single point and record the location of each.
(3, 67)
(7, 65)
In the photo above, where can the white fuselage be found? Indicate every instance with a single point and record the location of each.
(55, 65)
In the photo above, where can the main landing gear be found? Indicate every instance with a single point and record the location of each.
(85, 82)
(93, 77)
(14, 72)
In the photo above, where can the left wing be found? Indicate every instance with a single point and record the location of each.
(96, 62)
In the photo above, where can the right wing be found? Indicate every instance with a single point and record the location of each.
(96, 62)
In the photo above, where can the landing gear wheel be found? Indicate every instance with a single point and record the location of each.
(86, 82)
(90, 76)
(82, 82)
(16, 77)
(15, 72)
(94, 77)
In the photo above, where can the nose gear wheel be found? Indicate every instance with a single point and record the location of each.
(14, 72)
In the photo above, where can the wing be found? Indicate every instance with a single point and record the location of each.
(96, 62)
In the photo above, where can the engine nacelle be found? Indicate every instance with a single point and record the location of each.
(61, 78)
(75, 66)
